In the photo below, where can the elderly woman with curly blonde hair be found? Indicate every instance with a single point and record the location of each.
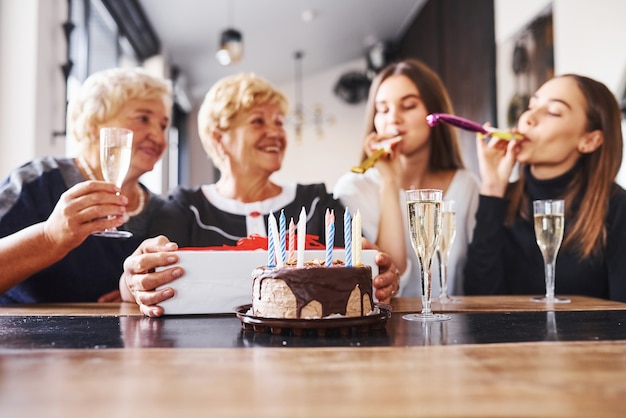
(241, 125)
(50, 206)
(241, 128)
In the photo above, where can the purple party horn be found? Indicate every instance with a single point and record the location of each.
(468, 125)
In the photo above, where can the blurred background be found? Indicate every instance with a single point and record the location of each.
(491, 54)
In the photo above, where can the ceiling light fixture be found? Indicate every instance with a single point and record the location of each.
(231, 42)
(231, 47)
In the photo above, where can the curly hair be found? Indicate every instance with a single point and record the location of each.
(229, 96)
(104, 93)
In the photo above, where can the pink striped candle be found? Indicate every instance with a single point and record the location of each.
(347, 236)
(292, 239)
(330, 236)
(271, 250)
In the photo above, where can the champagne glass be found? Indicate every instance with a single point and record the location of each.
(549, 224)
(448, 233)
(115, 153)
(424, 213)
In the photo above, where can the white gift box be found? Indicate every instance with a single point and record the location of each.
(218, 281)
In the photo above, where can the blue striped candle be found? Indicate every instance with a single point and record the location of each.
(275, 239)
(347, 236)
(282, 222)
(357, 244)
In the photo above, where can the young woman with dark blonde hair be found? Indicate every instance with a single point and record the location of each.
(400, 98)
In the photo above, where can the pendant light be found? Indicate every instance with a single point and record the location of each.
(231, 43)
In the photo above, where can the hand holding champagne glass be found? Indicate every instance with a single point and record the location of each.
(549, 225)
(448, 233)
(115, 154)
(424, 213)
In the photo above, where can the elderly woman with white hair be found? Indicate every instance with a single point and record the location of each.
(241, 127)
(50, 206)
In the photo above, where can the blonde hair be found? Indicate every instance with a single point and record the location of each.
(227, 98)
(103, 94)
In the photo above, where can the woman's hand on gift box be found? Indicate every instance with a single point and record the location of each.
(147, 272)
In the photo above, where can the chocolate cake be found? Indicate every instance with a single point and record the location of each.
(313, 291)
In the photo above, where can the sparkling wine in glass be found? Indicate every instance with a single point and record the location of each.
(549, 224)
(115, 153)
(448, 233)
(424, 214)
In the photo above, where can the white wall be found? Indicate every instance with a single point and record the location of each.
(32, 49)
(589, 36)
(314, 158)
(323, 159)
(589, 39)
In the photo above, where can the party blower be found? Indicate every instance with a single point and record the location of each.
(381, 148)
(468, 125)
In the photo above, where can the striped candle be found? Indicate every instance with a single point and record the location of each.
(271, 250)
(330, 236)
(356, 239)
(282, 222)
(275, 239)
(292, 239)
(347, 236)
(301, 237)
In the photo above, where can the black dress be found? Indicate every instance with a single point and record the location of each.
(191, 219)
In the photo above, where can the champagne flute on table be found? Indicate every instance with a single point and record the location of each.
(448, 233)
(549, 223)
(115, 154)
(424, 215)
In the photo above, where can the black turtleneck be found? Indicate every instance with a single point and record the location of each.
(505, 259)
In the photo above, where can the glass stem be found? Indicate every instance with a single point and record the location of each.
(426, 287)
(443, 275)
(550, 265)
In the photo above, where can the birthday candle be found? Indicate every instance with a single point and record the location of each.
(275, 239)
(282, 236)
(330, 236)
(271, 252)
(301, 237)
(292, 239)
(356, 239)
(347, 236)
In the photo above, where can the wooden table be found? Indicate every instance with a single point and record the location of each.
(507, 304)
(324, 377)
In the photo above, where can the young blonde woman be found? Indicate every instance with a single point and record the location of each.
(572, 150)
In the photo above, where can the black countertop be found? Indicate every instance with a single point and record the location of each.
(226, 331)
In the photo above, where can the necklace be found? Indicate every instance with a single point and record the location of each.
(142, 198)
(140, 205)
(83, 164)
